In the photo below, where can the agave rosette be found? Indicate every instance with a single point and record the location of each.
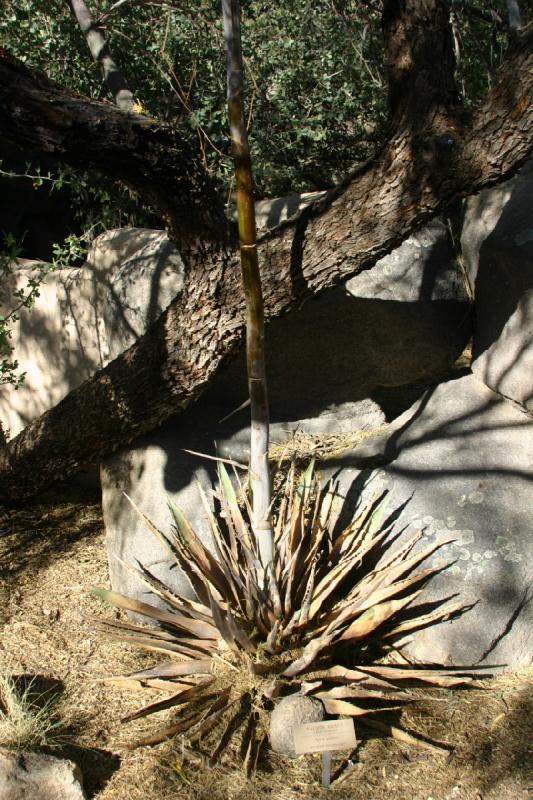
(316, 623)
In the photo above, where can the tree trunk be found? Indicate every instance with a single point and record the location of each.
(432, 158)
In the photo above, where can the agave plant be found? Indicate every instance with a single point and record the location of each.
(318, 622)
(286, 603)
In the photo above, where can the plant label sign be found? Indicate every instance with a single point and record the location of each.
(323, 737)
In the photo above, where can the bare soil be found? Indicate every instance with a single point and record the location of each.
(52, 552)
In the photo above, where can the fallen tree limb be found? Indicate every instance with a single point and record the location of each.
(38, 115)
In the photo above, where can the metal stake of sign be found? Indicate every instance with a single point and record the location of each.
(326, 769)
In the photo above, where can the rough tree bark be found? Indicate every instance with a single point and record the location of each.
(40, 116)
(435, 154)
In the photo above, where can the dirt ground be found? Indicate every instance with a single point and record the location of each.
(53, 552)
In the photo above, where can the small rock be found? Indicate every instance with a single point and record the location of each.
(289, 713)
(25, 775)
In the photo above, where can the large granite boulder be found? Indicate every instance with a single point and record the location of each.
(463, 459)
(84, 317)
(324, 364)
(497, 243)
(58, 343)
(140, 272)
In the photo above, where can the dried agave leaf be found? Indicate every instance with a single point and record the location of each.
(375, 596)
(212, 717)
(345, 709)
(149, 683)
(440, 615)
(343, 674)
(151, 527)
(402, 736)
(175, 669)
(374, 617)
(176, 601)
(153, 612)
(250, 742)
(347, 692)
(179, 698)
(234, 723)
(180, 726)
(210, 568)
(310, 652)
(436, 677)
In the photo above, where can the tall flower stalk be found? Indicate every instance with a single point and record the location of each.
(251, 277)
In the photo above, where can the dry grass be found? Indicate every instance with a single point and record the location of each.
(51, 554)
(26, 717)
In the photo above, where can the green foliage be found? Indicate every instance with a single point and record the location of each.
(314, 83)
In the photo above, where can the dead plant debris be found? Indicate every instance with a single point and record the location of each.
(50, 555)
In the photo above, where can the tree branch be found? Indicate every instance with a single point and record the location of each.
(99, 48)
(417, 174)
(39, 115)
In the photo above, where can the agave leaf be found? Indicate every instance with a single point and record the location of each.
(234, 723)
(158, 645)
(230, 553)
(181, 604)
(177, 619)
(141, 685)
(407, 565)
(250, 743)
(436, 677)
(347, 692)
(401, 553)
(171, 618)
(298, 507)
(372, 597)
(357, 532)
(175, 669)
(151, 527)
(341, 571)
(343, 674)
(342, 707)
(329, 583)
(212, 717)
(112, 626)
(181, 697)
(228, 493)
(208, 565)
(219, 615)
(272, 637)
(239, 635)
(440, 615)
(306, 602)
(402, 736)
(217, 458)
(374, 617)
(309, 654)
(180, 726)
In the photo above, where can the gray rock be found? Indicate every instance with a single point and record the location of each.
(463, 459)
(287, 715)
(141, 272)
(85, 317)
(35, 776)
(324, 363)
(157, 467)
(497, 242)
(423, 268)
